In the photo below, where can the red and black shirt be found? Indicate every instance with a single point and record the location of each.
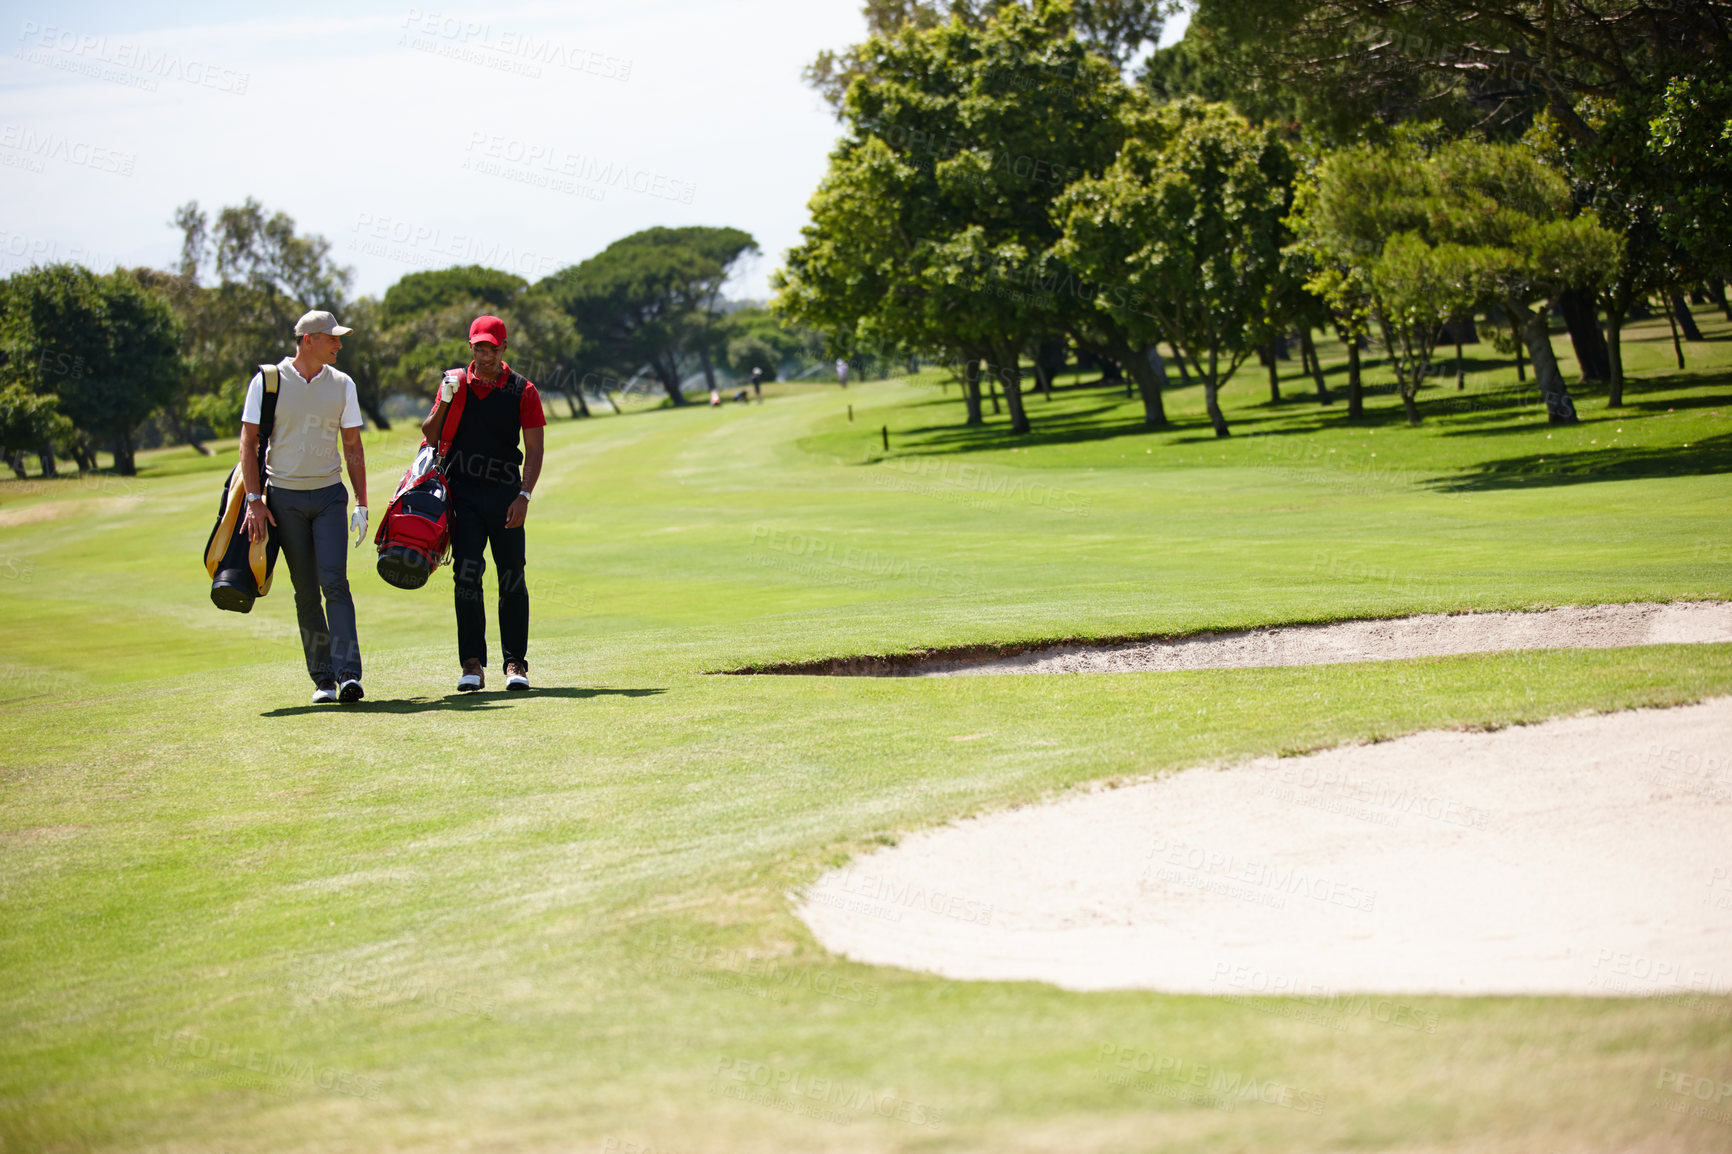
(484, 425)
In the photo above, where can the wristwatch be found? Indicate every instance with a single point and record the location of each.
(524, 493)
(251, 497)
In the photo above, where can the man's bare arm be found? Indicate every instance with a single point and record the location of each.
(356, 457)
(532, 446)
(250, 457)
(256, 516)
(435, 421)
(534, 441)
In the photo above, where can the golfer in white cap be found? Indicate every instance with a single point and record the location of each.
(302, 494)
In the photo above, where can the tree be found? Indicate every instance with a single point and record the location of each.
(748, 353)
(757, 339)
(1495, 225)
(403, 343)
(1505, 57)
(420, 292)
(721, 249)
(28, 421)
(546, 347)
(1325, 258)
(1190, 216)
(122, 337)
(1656, 172)
(1115, 29)
(265, 275)
(933, 229)
(650, 298)
(1415, 290)
(1690, 137)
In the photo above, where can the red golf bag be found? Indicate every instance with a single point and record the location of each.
(414, 536)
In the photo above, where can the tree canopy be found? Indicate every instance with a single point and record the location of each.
(419, 292)
(1190, 215)
(105, 347)
(934, 230)
(650, 298)
(1116, 29)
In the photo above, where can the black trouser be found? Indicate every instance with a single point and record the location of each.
(313, 533)
(478, 520)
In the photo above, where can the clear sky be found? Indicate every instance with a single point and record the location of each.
(525, 137)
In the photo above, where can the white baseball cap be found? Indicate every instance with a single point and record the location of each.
(320, 321)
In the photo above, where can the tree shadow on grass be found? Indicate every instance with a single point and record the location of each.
(1470, 414)
(459, 702)
(1633, 398)
(1699, 458)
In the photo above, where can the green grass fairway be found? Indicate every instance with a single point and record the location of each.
(560, 922)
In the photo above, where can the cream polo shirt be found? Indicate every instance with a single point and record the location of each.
(306, 448)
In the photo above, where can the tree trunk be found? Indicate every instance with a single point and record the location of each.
(1686, 320)
(1408, 403)
(1521, 365)
(370, 405)
(1179, 359)
(1717, 293)
(709, 369)
(670, 374)
(45, 455)
(1211, 396)
(1584, 326)
(1149, 373)
(1041, 380)
(1308, 349)
(183, 431)
(125, 455)
(1011, 370)
(1355, 383)
(16, 460)
(1677, 349)
(1274, 372)
(971, 391)
(992, 388)
(1560, 408)
(1050, 355)
(1615, 349)
(1460, 375)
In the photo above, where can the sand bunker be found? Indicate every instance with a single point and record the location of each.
(1588, 856)
(1430, 635)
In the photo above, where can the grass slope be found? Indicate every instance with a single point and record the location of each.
(559, 922)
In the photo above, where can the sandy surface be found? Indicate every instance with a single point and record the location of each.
(1430, 635)
(1588, 855)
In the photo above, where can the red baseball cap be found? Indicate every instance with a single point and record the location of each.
(488, 328)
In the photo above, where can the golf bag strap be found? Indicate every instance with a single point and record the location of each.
(271, 376)
(512, 385)
(448, 423)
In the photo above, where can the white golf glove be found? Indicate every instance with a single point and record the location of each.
(358, 523)
(448, 386)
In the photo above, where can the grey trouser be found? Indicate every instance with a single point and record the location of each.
(312, 528)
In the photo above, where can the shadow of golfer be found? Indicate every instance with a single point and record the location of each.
(459, 702)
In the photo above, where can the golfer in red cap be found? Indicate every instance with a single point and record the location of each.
(481, 413)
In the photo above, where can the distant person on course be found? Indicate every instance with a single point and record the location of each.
(842, 372)
(758, 383)
(303, 496)
(491, 405)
